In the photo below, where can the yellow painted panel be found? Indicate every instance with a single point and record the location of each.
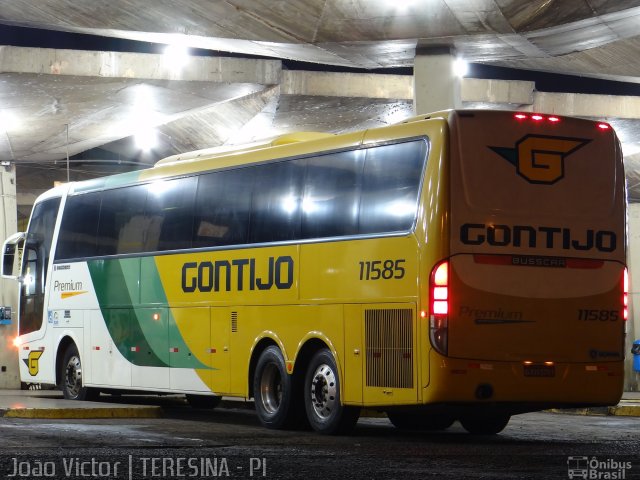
(353, 355)
(228, 277)
(219, 342)
(360, 270)
(194, 325)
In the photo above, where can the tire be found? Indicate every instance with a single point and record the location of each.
(71, 377)
(408, 421)
(207, 402)
(485, 423)
(273, 390)
(325, 412)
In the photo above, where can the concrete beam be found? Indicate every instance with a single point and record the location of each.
(364, 85)
(136, 65)
(498, 91)
(583, 105)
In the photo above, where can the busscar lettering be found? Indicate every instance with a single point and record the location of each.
(239, 274)
(540, 237)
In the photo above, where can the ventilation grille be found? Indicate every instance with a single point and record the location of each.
(234, 322)
(389, 348)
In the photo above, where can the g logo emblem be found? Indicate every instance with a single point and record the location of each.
(539, 158)
(33, 362)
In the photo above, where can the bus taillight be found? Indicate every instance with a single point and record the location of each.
(439, 305)
(625, 294)
(536, 117)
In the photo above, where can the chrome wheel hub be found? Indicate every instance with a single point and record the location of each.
(324, 391)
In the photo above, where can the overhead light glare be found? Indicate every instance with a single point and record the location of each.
(8, 121)
(176, 56)
(460, 67)
(401, 5)
(146, 139)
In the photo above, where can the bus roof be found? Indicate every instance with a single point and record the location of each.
(214, 152)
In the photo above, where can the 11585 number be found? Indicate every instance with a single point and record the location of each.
(382, 269)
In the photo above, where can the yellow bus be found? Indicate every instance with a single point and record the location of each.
(464, 265)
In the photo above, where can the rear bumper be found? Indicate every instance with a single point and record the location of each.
(469, 382)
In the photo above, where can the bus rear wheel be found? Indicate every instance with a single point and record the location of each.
(325, 412)
(408, 421)
(71, 377)
(273, 390)
(485, 423)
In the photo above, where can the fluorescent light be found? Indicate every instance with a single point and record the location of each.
(146, 139)
(460, 67)
(401, 5)
(176, 56)
(8, 121)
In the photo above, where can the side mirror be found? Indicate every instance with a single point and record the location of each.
(10, 256)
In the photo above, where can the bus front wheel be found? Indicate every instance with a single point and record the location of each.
(325, 411)
(71, 377)
(485, 423)
(273, 390)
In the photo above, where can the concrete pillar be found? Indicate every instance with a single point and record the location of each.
(435, 85)
(9, 374)
(632, 379)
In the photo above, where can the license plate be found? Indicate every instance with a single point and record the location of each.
(539, 370)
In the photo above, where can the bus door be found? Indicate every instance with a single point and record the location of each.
(35, 262)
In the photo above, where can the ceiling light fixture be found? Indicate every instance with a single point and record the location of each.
(176, 56)
(146, 139)
(460, 67)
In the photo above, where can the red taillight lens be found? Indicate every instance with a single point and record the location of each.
(439, 302)
(604, 126)
(536, 117)
(625, 294)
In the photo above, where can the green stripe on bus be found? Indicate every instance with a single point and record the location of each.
(139, 336)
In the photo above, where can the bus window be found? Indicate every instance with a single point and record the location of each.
(169, 214)
(223, 204)
(275, 206)
(79, 227)
(331, 199)
(35, 262)
(122, 223)
(390, 188)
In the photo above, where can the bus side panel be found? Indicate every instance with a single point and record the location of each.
(374, 270)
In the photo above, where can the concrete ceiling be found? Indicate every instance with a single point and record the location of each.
(101, 99)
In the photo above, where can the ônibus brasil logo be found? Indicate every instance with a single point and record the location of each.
(540, 158)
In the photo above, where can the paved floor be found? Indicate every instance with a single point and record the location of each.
(51, 404)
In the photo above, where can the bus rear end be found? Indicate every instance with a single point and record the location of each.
(528, 309)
